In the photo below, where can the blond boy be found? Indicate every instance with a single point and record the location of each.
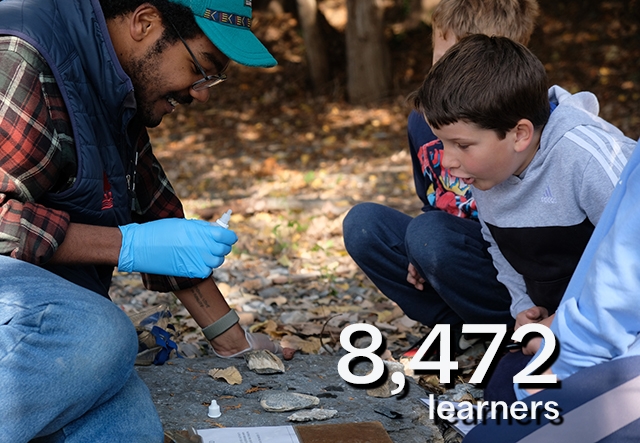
(436, 266)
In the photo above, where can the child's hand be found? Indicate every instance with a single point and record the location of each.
(415, 278)
(531, 315)
(537, 314)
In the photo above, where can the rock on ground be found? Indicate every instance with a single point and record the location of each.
(182, 391)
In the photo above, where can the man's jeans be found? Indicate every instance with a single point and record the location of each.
(448, 252)
(66, 364)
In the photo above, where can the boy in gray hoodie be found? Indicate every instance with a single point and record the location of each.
(541, 163)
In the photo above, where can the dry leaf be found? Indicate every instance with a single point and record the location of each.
(388, 316)
(253, 389)
(309, 346)
(323, 311)
(269, 327)
(404, 324)
(431, 383)
(265, 326)
(231, 375)
(385, 326)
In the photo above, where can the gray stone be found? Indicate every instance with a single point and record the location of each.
(270, 291)
(461, 392)
(293, 317)
(384, 390)
(313, 414)
(287, 401)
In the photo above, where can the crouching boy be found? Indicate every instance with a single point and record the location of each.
(541, 163)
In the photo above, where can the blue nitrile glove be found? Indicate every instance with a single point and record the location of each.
(174, 246)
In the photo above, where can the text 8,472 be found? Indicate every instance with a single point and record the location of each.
(445, 364)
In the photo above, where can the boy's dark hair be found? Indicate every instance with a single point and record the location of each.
(181, 16)
(492, 82)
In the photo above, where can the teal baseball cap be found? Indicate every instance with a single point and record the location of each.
(227, 23)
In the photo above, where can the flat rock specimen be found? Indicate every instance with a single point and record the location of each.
(313, 414)
(287, 401)
(264, 362)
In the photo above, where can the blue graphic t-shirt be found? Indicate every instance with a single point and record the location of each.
(434, 185)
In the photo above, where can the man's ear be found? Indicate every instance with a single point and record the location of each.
(145, 22)
(524, 134)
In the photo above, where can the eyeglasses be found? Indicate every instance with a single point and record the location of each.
(208, 80)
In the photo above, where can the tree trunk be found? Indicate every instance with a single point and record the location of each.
(314, 44)
(368, 67)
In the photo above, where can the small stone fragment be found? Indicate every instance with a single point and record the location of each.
(287, 353)
(462, 392)
(264, 362)
(287, 401)
(313, 414)
(384, 390)
(292, 317)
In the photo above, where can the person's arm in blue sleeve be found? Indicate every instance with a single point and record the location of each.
(598, 319)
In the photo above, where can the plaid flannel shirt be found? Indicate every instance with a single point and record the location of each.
(37, 155)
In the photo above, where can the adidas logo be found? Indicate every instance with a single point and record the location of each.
(547, 196)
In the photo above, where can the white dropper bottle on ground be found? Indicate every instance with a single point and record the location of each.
(214, 409)
(224, 220)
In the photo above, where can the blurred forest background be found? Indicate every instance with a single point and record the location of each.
(290, 154)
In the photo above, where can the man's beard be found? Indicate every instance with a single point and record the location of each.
(147, 81)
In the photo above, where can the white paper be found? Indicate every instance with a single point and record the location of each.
(258, 434)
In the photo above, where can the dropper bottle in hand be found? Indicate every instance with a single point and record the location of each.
(224, 220)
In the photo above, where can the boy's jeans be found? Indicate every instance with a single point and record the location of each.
(448, 251)
(66, 364)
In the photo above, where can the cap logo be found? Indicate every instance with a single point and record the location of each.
(228, 18)
(247, 3)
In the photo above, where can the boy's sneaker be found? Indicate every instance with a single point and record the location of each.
(461, 343)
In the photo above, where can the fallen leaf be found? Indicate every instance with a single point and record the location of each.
(309, 346)
(253, 389)
(268, 327)
(389, 315)
(265, 326)
(385, 326)
(231, 375)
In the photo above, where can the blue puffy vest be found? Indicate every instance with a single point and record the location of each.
(72, 36)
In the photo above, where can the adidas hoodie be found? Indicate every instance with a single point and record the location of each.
(538, 223)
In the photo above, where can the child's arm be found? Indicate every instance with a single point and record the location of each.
(599, 317)
(609, 155)
(508, 276)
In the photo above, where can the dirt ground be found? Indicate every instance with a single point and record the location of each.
(290, 164)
